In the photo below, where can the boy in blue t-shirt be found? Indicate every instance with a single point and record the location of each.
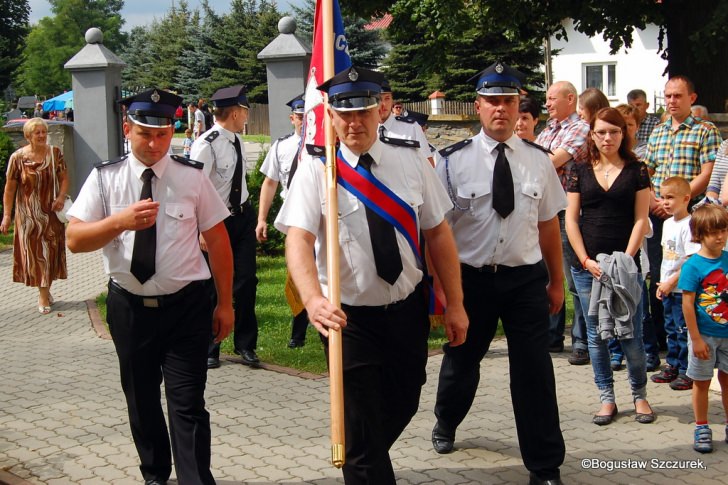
(704, 281)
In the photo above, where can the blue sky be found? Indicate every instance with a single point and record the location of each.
(142, 12)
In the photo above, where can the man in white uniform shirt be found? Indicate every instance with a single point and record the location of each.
(401, 126)
(145, 210)
(383, 318)
(279, 166)
(222, 152)
(506, 197)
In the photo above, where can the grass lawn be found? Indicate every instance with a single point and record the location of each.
(250, 138)
(274, 323)
(6, 240)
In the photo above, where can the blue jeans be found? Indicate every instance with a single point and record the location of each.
(633, 348)
(557, 322)
(677, 332)
(648, 332)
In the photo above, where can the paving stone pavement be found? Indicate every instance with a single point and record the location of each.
(63, 418)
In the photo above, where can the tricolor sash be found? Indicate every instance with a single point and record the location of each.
(379, 198)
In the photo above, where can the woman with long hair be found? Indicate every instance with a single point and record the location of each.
(37, 185)
(608, 201)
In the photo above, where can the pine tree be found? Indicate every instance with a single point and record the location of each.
(13, 29)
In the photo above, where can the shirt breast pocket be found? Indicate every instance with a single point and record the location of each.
(350, 226)
(178, 219)
(532, 194)
(473, 197)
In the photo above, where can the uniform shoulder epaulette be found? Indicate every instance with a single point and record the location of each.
(405, 119)
(108, 163)
(285, 136)
(212, 136)
(315, 150)
(447, 151)
(400, 142)
(536, 145)
(187, 161)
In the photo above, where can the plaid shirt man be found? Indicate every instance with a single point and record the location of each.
(681, 152)
(646, 127)
(570, 135)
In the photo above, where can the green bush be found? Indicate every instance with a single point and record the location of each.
(7, 147)
(275, 243)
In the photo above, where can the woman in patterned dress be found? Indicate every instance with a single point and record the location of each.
(39, 254)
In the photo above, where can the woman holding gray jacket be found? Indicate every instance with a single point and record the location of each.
(608, 202)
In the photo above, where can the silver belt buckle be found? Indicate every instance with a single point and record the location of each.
(150, 302)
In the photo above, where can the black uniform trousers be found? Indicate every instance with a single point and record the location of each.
(241, 231)
(299, 325)
(384, 358)
(518, 297)
(165, 342)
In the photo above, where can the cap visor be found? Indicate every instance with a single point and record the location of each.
(150, 121)
(354, 103)
(498, 91)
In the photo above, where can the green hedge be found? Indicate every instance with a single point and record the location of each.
(7, 147)
(275, 244)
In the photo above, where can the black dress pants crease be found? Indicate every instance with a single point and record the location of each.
(385, 354)
(241, 231)
(516, 296)
(166, 344)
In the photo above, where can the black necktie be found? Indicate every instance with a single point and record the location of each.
(384, 240)
(145, 241)
(237, 176)
(502, 183)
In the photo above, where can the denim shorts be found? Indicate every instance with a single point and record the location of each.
(702, 370)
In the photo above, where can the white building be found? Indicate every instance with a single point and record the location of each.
(586, 62)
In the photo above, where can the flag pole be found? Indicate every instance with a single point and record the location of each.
(336, 371)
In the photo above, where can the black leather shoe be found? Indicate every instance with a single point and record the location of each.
(213, 362)
(556, 347)
(293, 343)
(155, 482)
(605, 419)
(442, 441)
(250, 358)
(535, 480)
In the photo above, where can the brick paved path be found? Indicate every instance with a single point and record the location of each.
(63, 418)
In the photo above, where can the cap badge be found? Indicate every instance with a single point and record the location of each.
(155, 96)
(499, 68)
(353, 75)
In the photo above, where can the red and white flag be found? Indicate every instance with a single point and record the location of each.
(313, 121)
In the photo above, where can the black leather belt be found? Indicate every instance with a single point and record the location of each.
(493, 268)
(236, 211)
(160, 301)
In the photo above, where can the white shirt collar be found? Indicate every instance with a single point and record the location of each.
(375, 151)
(138, 167)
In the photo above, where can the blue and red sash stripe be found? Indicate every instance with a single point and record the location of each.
(379, 198)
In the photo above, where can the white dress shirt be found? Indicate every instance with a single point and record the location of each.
(482, 236)
(407, 131)
(188, 204)
(278, 161)
(220, 158)
(404, 172)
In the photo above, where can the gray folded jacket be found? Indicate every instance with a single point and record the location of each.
(616, 295)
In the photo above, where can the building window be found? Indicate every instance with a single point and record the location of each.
(602, 77)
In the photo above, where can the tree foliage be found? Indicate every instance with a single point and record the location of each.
(692, 32)
(423, 59)
(366, 47)
(13, 29)
(54, 40)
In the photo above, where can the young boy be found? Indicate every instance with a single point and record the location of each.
(677, 245)
(704, 283)
(187, 146)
